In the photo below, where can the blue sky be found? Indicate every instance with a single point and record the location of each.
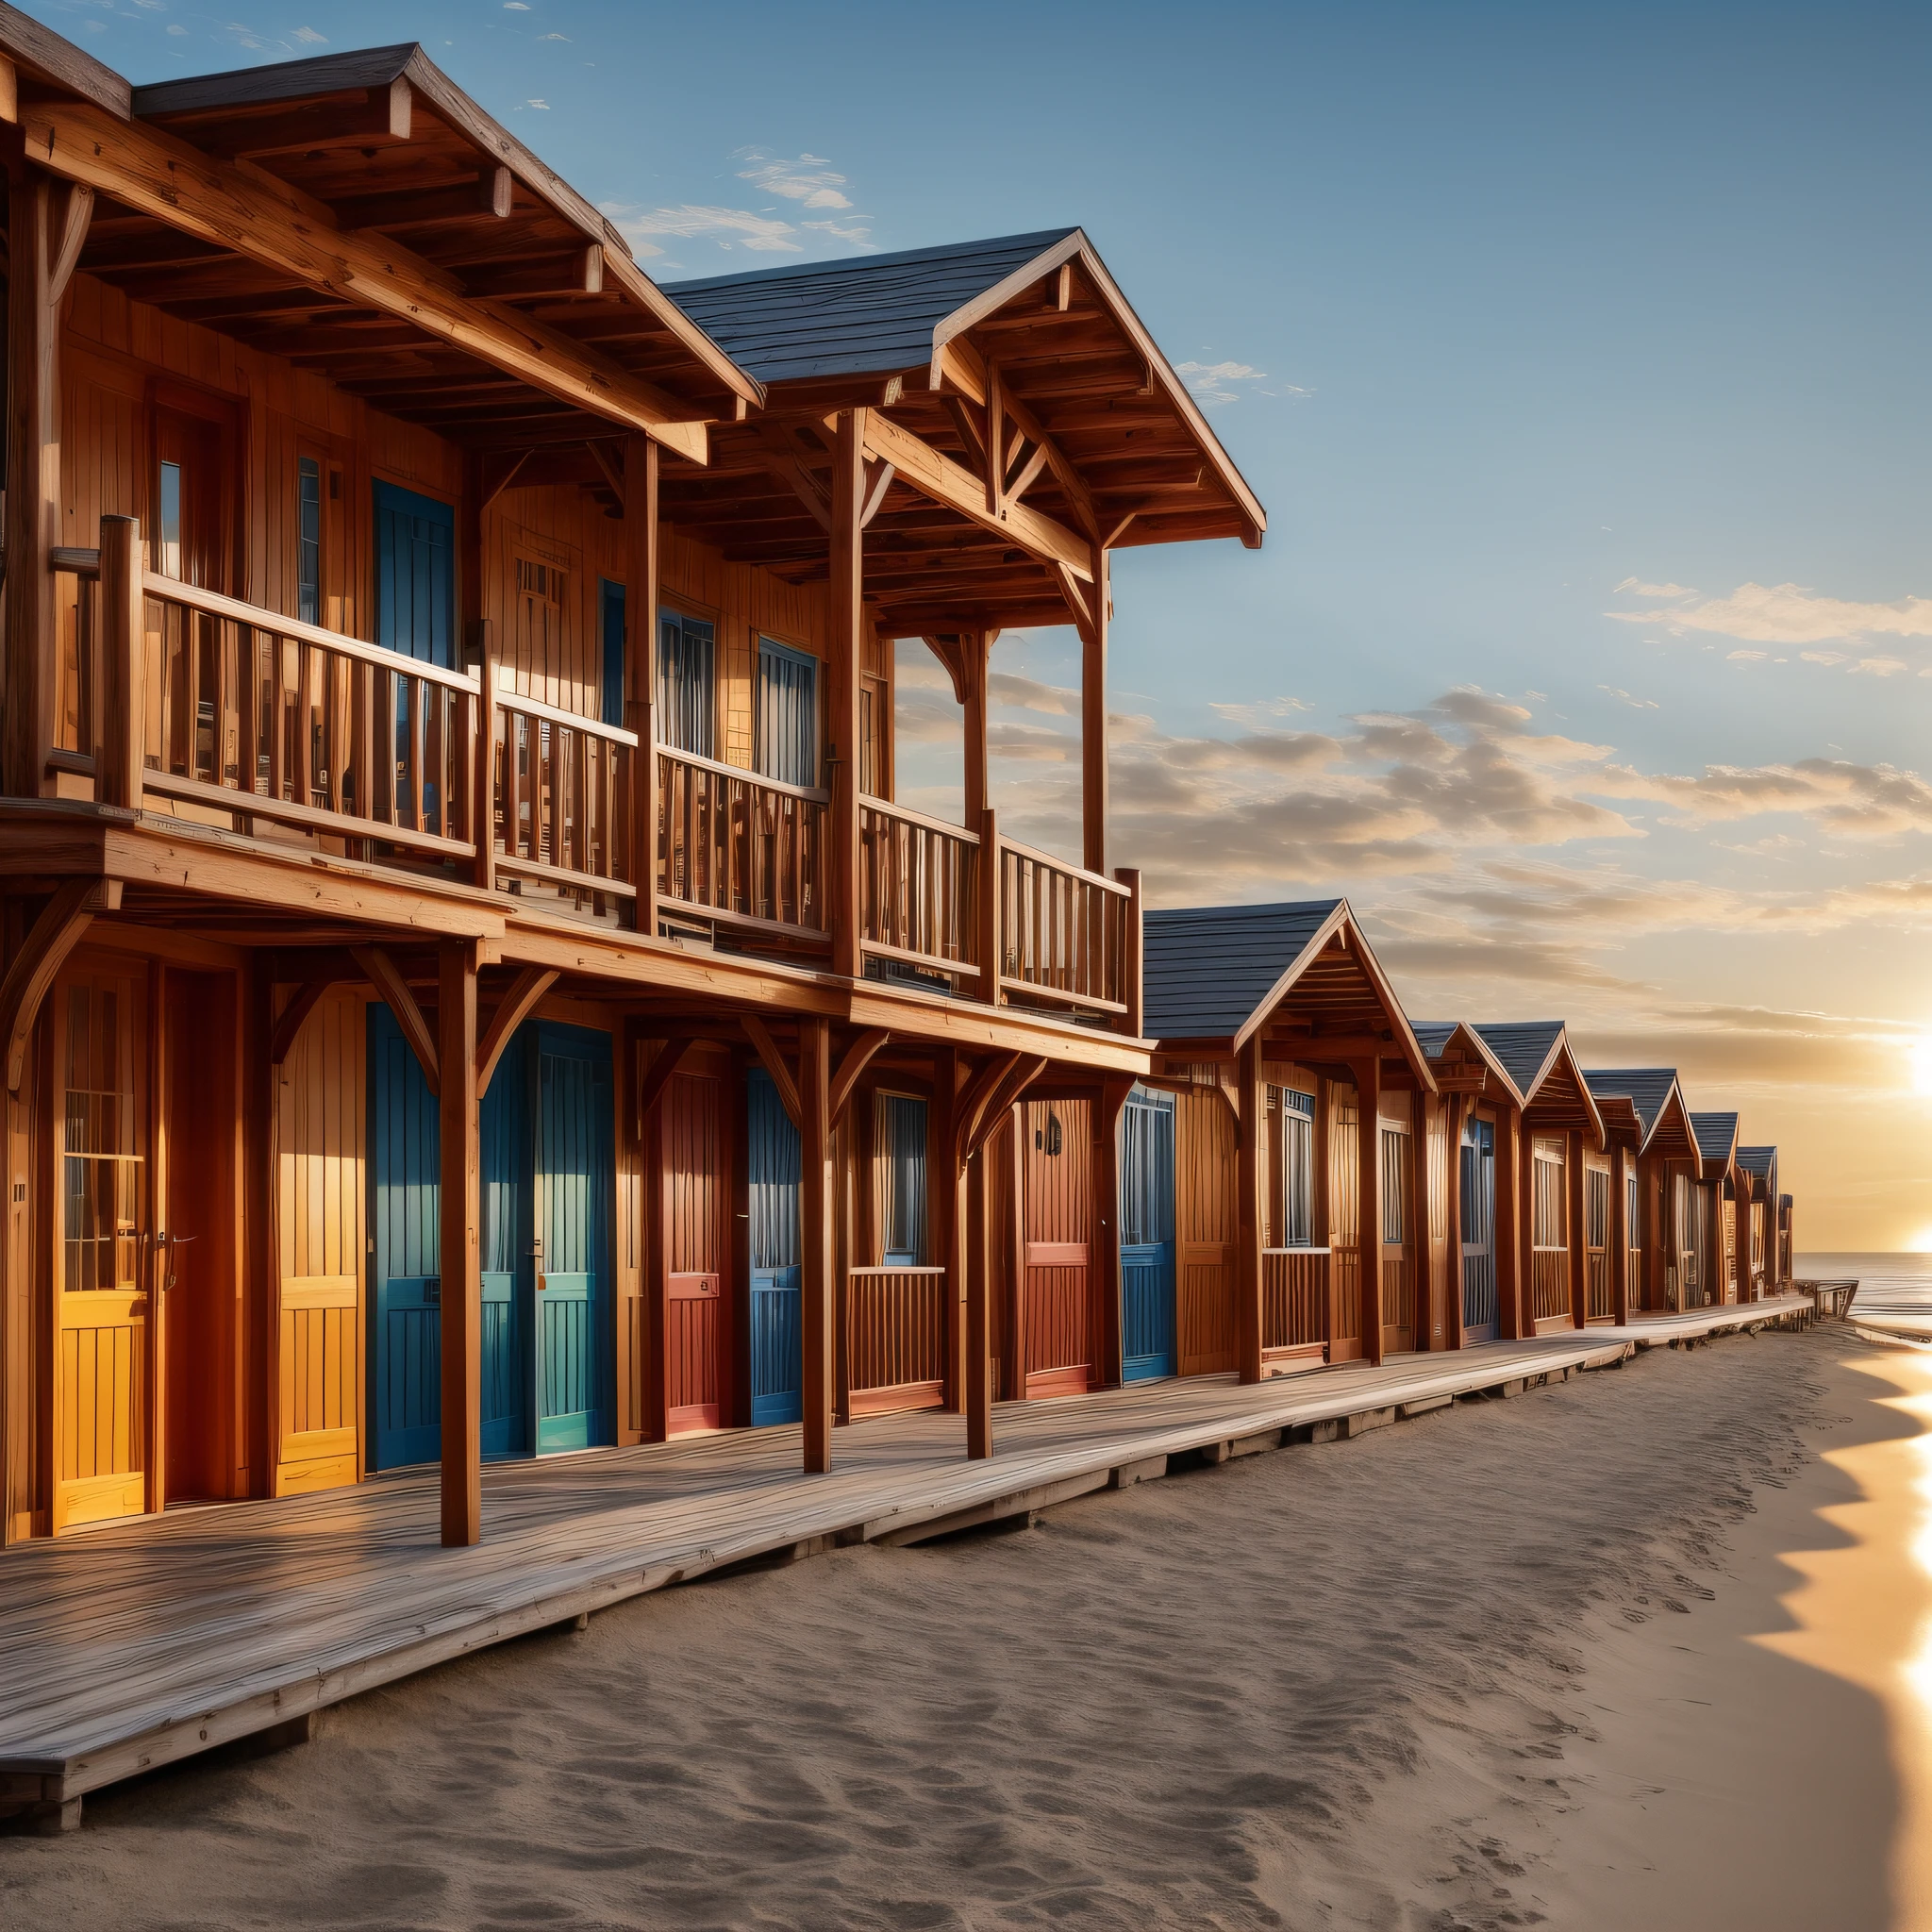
(1499, 308)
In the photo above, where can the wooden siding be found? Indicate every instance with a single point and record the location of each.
(1206, 1232)
(1059, 1318)
(695, 1328)
(1344, 1215)
(320, 1221)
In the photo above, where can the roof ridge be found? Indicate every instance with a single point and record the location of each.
(840, 264)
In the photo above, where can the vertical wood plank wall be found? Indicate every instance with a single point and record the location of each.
(1344, 1197)
(1206, 1336)
(320, 1147)
(1059, 1232)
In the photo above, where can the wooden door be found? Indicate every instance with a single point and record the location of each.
(1344, 1214)
(1478, 1233)
(1399, 1244)
(693, 1197)
(1147, 1237)
(1207, 1332)
(772, 1190)
(1059, 1218)
(203, 1426)
(1601, 1290)
(321, 1142)
(103, 1394)
(575, 1160)
(507, 1243)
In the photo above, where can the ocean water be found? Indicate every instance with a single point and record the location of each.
(1894, 1291)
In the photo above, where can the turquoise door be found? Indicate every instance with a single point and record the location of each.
(573, 1155)
(772, 1172)
(404, 1152)
(1146, 1224)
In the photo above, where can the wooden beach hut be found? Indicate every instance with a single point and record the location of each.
(1303, 1116)
(448, 784)
(1645, 1115)
(1758, 1235)
(1713, 1229)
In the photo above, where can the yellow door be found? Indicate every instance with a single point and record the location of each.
(103, 1344)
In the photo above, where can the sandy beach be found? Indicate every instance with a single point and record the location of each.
(1589, 1668)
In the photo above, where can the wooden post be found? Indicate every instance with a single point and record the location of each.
(947, 1234)
(986, 913)
(641, 570)
(124, 705)
(33, 478)
(1093, 722)
(1714, 1216)
(844, 647)
(978, 1309)
(1321, 1226)
(1368, 1087)
(1416, 1227)
(1508, 1229)
(259, 1346)
(973, 649)
(1132, 976)
(460, 1259)
(1013, 1336)
(1105, 1253)
(1741, 1236)
(817, 1206)
(1575, 1214)
(478, 656)
(655, 1288)
(1620, 1235)
(1251, 1174)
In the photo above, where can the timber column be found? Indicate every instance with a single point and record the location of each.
(978, 1309)
(1094, 800)
(461, 1258)
(1105, 1253)
(1575, 1216)
(1621, 1232)
(844, 727)
(818, 1198)
(641, 567)
(1251, 1170)
(1507, 1233)
(1454, 1105)
(1368, 1087)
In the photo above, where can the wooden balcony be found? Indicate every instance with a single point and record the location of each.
(271, 728)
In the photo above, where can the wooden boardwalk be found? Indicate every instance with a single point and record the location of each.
(131, 1646)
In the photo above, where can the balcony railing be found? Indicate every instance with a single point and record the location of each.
(896, 1339)
(1549, 1284)
(186, 700)
(1294, 1307)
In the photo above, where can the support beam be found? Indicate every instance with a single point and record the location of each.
(1576, 1227)
(381, 971)
(515, 1006)
(786, 461)
(651, 1089)
(1021, 1075)
(62, 924)
(254, 215)
(1621, 1234)
(1011, 1235)
(642, 563)
(1106, 1273)
(460, 1256)
(818, 1203)
(1368, 1083)
(119, 760)
(294, 1017)
(1251, 1175)
(1094, 784)
(1456, 1111)
(975, 665)
(774, 1065)
(858, 1057)
(979, 1253)
(845, 653)
(946, 1219)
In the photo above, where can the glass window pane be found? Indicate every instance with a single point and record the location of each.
(308, 540)
(170, 564)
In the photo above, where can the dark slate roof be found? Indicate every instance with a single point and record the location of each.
(1523, 1046)
(1206, 968)
(1715, 1133)
(1433, 1035)
(1757, 1160)
(869, 315)
(1645, 1087)
(282, 80)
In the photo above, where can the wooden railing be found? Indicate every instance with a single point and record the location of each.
(1345, 1265)
(1549, 1284)
(896, 1339)
(1063, 932)
(560, 813)
(918, 888)
(734, 847)
(1295, 1304)
(1398, 1292)
(1602, 1294)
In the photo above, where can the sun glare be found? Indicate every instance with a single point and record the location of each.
(1921, 1064)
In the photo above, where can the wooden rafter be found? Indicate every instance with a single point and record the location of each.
(613, 470)
(651, 1089)
(291, 1019)
(512, 1010)
(54, 934)
(859, 1056)
(782, 455)
(775, 1062)
(382, 974)
(879, 479)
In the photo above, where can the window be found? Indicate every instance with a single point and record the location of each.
(1480, 1185)
(170, 520)
(684, 683)
(308, 540)
(902, 1160)
(1297, 1114)
(1546, 1206)
(101, 1177)
(1631, 1235)
(1394, 1186)
(1596, 1205)
(415, 574)
(787, 714)
(611, 601)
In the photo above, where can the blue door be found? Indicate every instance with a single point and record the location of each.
(611, 597)
(776, 1337)
(415, 574)
(404, 1154)
(575, 1158)
(1478, 1232)
(1147, 1224)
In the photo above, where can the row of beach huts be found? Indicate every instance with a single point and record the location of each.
(472, 989)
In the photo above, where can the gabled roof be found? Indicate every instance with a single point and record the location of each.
(1537, 1057)
(1213, 976)
(1205, 970)
(1647, 1088)
(1526, 1047)
(1717, 1135)
(1757, 1160)
(870, 314)
(1435, 1038)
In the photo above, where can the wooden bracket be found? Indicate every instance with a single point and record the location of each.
(62, 923)
(1021, 1071)
(613, 472)
(512, 1010)
(858, 1057)
(879, 479)
(381, 972)
(670, 1057)
(290, 1020)
(498, 476)
(789, 467)
(72, 222)
(775, 1062)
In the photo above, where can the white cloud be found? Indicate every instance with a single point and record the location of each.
(809, 179)
(1635, 704)
(729, 227)
(1213, 382)
(854, 233)
(309, 37)
(1746, 657)
(1781, 614)
(1637, 588)
(543, 105)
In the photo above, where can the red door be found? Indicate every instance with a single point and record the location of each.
(1058, 1306)
(695, 1344)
